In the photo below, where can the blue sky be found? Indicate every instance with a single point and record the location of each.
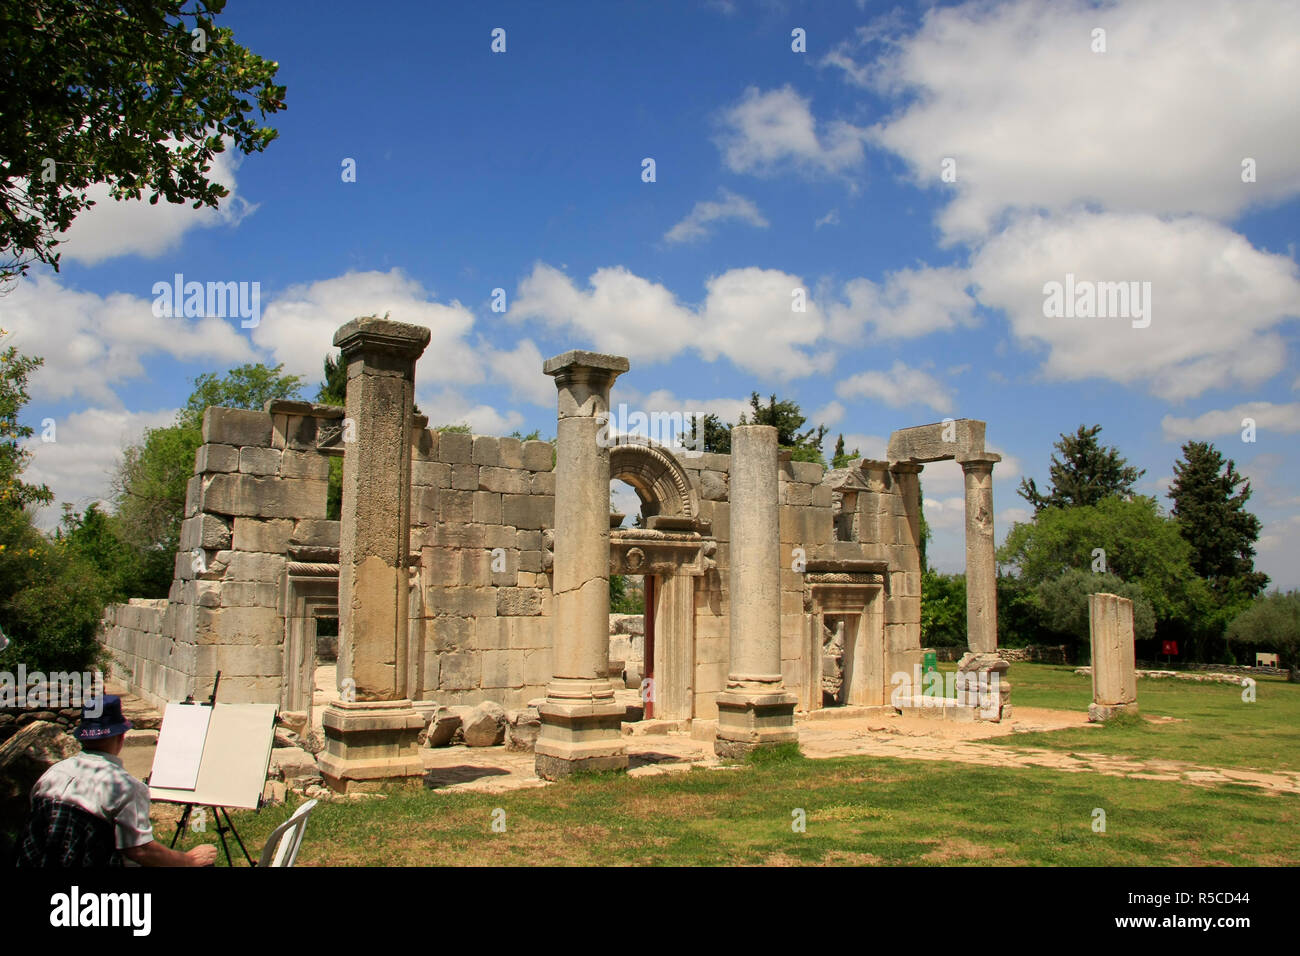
(774, 170)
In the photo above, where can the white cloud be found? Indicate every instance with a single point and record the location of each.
(520, 371)
(729, 206)
(827, 415)
(911, 303)
(450, 407)
(898, 387)
(766, 133)
(91, 343)
(1160, 122)
(832, 218)
(1228, 421)
(88, 444)
(1215, 300)
(298, 325)
(135, 227)
(746, 316)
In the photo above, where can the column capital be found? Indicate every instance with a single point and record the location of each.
(385, 335)
(979, 461)
(906, 467)
(583, 380)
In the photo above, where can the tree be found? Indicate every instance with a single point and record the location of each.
(150, 481)
(1130, 539)
(1272, 620)
(1086, 473)
(334, 389)
(14, 372)
(50, 602)
(943, 609)
(717, 436)
(1064, 603)
(787, 418)
(248, 386)
(841, 458)
(1210, 507)
(134, 94)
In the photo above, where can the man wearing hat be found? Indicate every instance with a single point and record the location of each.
(88, 811)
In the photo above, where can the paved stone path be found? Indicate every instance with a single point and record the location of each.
(496, 770)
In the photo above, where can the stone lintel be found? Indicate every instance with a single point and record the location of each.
(370, 331)
(938, 441)
(905, 467)
(289, 406)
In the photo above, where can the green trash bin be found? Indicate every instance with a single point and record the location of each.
(929, 662)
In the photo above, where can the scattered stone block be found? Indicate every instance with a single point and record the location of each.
(485, 725)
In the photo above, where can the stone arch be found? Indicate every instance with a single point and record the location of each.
(658, 477)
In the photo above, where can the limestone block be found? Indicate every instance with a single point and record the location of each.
(240, 593)
(1114, 674)
(193, 496)
(216, 458)
(713, 486)
(443, 726)
(456, 507)
(503, 480)
(522, 729)
(304, 464)
(528, 540)
(236, 426)
(822, 496)
(485, 725)
(519, 602)
(528, 512)
(297, 768)
(938, 441)
(503, 668)
(487, 508)
(464, 476)
(239, 625)
(254, 496)
(543, 483)
(316, 533)
(486, 450)
(459, 670)
(424, 444)
(538, 455)
(808, 472)
(493, 634)
(248, 660)
(512, 452)
(259, 461)
(462, 534)
(455, 447)
(436, 474)
(475, 567)
(257, 534)
(298, 432)
(503, 568)
(251, 566)
(425, 500)
(796, 492)
(204, 531)
(538, 666)
(531, 562)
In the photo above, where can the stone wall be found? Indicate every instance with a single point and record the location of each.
(144, 651)
(257, 498)
(481, 511)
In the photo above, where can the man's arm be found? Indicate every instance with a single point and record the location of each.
(154, 853)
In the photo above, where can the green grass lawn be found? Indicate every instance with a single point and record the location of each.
(858, 811)
(1213, 726)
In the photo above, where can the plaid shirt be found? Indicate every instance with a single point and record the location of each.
(86, 807)
(64, 835)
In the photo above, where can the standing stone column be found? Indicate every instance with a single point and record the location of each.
(981, 672)
(755, 709)
(371, 734)
(581, 721)
(1114, 668)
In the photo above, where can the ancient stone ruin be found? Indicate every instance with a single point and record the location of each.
(471, 569)
(1114, 669)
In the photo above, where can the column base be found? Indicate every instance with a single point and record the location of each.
(749, 719)
(369, 743)
(983, 674)
(580, 734)
(1100, 713)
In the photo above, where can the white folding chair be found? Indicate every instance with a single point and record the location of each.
(282, 846)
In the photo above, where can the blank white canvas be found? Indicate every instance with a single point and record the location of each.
(180, 746)
(235, 758)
